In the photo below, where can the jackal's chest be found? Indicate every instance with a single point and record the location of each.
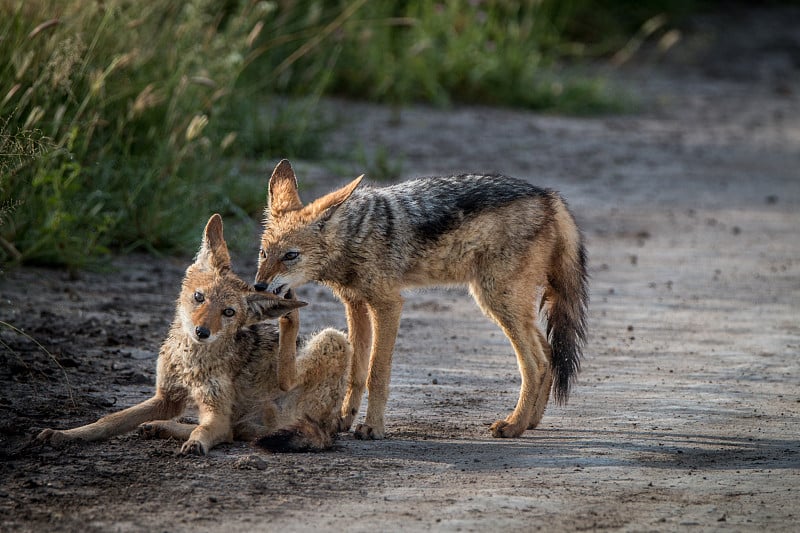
(197, 367)
(212, 381)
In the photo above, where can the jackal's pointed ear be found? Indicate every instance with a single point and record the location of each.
(322, 208)
(213, 254)
(261, 306)
(282, 194)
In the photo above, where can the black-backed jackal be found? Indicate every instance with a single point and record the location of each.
(505, 239)
(244, 375)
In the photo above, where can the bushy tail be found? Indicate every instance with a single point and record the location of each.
(566, 299)
(303, 436)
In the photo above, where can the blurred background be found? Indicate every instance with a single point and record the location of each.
(124, 124)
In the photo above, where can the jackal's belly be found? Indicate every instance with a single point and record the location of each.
(439, 272)
(500, 241)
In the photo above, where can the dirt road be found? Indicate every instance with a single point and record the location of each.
(686, 416)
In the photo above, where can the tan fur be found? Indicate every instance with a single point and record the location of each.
(508, 249)
(246, 379)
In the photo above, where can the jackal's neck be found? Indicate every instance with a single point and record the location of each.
(352, 236)
(196, 361)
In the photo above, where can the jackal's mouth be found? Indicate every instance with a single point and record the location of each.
(277, 291)
(200, 335)
(199, 340)
(278, 285)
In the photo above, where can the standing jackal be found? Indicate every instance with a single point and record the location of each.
(503, 237)
(240, 371)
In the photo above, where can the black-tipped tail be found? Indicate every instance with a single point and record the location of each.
(303, 436)
(568, 300)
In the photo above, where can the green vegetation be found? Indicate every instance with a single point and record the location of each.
(114, 101)
(119, 119)
(489, 52)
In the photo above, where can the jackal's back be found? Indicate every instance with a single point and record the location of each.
(433, 230)
(425, 209)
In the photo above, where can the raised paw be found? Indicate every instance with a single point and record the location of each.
(293, 315)
(193, 447)
(505, 430)
(367, 432)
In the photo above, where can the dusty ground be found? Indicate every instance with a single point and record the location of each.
(687, 412)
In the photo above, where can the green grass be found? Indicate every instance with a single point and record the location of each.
(122, 123)
(114, 117)
(487, 52)
(521, 54)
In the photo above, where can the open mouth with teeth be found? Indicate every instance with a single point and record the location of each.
(261, 287)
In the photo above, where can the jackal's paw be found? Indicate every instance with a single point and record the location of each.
(343, 423)
(505, 430)
(367, 432)
(193, 447)
(149, 430)
(53, 437)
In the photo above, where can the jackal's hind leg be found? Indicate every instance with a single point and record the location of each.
(157, 407)
(547, 384)
(323, 374)
(516, 317)
(166, 429)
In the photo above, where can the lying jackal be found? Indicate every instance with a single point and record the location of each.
(503, 237)
(241, 373)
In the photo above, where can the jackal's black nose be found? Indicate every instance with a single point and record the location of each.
(202, 333)
(260, 286)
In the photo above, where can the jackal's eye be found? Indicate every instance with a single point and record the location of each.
(262, 253)
(229, 311)
(199, 297)
(290, 256)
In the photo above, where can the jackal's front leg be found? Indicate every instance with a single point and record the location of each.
(360, 336)
(214, 428)
(288, 325)
(385, 323)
